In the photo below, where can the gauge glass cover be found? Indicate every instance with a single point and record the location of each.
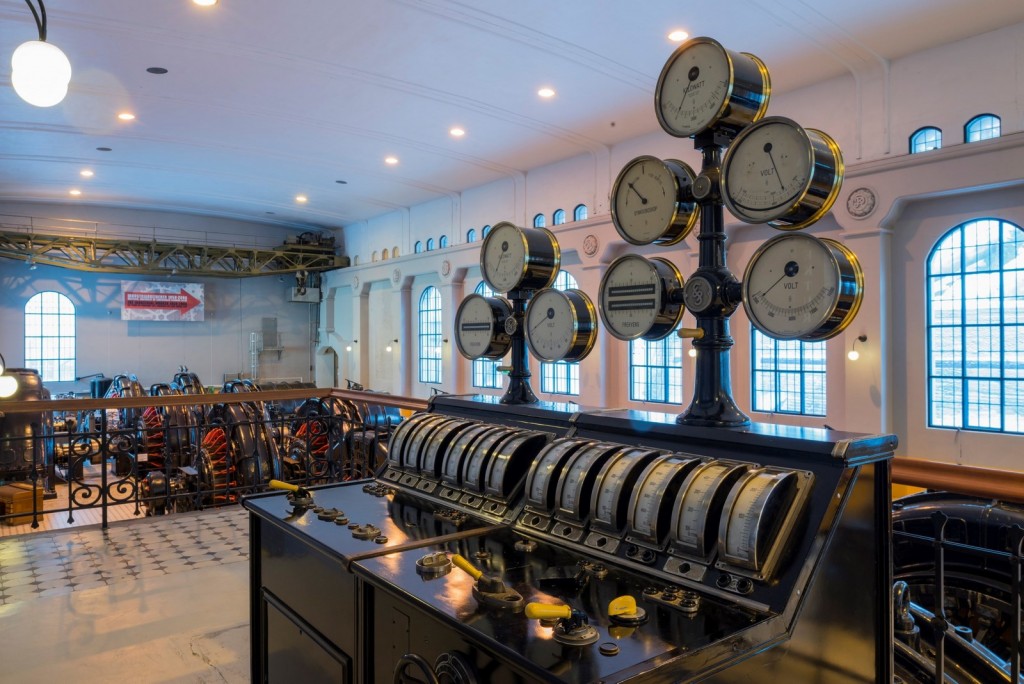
(652, 203)
(635, 298)
(693, 88)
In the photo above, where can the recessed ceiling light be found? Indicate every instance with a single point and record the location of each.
(126, 116)
(546, 92)
(157, 70)
(341, 182)
(86, 173)
(391, 160)
(678, 35)
(104, 149)
(205, 3)
(457, 132)
(76, 193)
(271, 213)
(301, 199)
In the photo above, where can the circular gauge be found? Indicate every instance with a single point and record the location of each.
(540, 493)
(561, 325)
(699, 505)
(778, 173)
(651, 502)
(638, 298)
(510, 463)
(616, 480)
(514, 258)
(480, 327)
(797, 286)
(704, 85)
(652, 201)
(752, 517)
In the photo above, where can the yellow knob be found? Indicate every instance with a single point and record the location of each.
(695, 333)
(277, 484)
(547, 611)
(622, 605)
(464, 564)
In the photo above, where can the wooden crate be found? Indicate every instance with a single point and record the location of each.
(17, 498)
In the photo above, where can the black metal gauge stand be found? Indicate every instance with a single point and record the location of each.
(712, 294)
(519, 390)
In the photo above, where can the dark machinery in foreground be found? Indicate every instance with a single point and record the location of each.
(21, 456)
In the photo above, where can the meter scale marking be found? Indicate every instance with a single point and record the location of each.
(476, 326)
(627, 290)
(631, 305)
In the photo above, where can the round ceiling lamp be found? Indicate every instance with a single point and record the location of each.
(40, 71)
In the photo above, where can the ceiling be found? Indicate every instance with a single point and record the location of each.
(268, 99)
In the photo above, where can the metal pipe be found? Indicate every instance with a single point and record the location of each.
(989, 483)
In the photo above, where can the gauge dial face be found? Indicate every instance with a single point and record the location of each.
(541, 490)
(753, 517)
(480, 327)
(452, 466)
(652, 201)
(473, 473)
(648, 503)
(561, 325)
(513, 258)
(573, 493)
(775, 171)
(800, 287)
(703, 84)
(638, 298)
(611, 497)
(412, 443)
(698, 506)
(398, 440)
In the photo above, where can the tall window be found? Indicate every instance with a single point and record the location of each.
(924, 139)
(561, 377)
(789, 375)
(430, 335)
(418, 247)
(485, 232)
(558, 218)
(50, 336)
(656, 370)
(539, 221)
(471, 235)
(430, 244)
(579, 213)
(485, 371)
(976, 328)
(982, 127)
(443, 242)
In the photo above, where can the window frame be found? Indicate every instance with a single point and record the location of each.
(558, 218)
(540, 221)
(920, 132)
(779, 370)
(976, 122)
(485, 373)
(666, 369)
(471, 235)
(579, 213)
(55, 309)
(430, 244)
(442, 242)
(417, 248)
(561, 377)
(429, 336)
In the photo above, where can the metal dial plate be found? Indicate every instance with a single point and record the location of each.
(650, 505)
(578, 476)
(779, 173)
(652, 201)
(480, 327)
(415, 453)
(405, 428)
(476, 464)
(436, 448)
(615, 482)
(703, 85)
(451, 469)
(514, 258)
(637, 298)
(511, 461)
(698, 506)
(797, 286)
(540, 489)
(561, 325)
(409, 455)
(698, 294)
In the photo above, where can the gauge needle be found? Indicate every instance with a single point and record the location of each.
(791, 269)
(692, 75)
(768, 149)
(643, 200)
(550, 315)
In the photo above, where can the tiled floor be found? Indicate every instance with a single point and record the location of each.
(155, 599)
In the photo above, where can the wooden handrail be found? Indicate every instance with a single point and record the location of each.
(988, 483)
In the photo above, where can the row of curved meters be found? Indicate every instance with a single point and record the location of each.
(674, 512)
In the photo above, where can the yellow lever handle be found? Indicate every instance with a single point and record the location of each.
(622, 605)
(277, 484)
(547, 611)
(695, 333)
(464, 564)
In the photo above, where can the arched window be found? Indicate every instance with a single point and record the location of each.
(656, 370)
(558, 218)
(485, 371)
(418, 247)
(561, 377)
(539, 221)
(443, 242)
(982, 127)
(788, 376)
(486, 231)
(373, 257)
(50, 336)
(356, 260)
(394, 252)
(430, 244)
(430, 335)
(976, 328)
(384, 254)
(471, 235)
(924, 139)
(579, 213)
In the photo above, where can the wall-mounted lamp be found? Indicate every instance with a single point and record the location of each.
(8, 383)
(388, 348)
(692, 353)
(853, 354)
(40, 72)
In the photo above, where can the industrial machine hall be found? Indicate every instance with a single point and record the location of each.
(556, 342)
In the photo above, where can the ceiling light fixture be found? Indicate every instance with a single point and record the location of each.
(126, 116)
(457, 132)
(86, 173)
(76, 192)
(159, 71)
(546, 92)
(678, 36)
(40, 72)
(391, 160)
(204, 3)
(301, 199)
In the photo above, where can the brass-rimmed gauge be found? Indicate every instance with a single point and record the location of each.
(514, 258)
(703, 85)
(480, 327)
(641, 298)
(797, 286)
(561, 325)
(652, 201)
(777, 172)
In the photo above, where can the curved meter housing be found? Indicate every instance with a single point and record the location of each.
(652, 201)
(475, 467)
(561, 325)
(641, 298)
(698, 507)
(415, 451)
(436, 447)
(451, 468)
(777, 172)
(480, 327)
(510, 462)
(757, 518)
(410, 454)
(396, 452)
(705, 86)
(542, 481)
(610, 501)
(577, 482)
(651, 500)
(514, 258)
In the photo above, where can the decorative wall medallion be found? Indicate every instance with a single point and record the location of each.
(446, 268)
(396, 275)
(590, 245)
(355, 282)
(861, 202)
